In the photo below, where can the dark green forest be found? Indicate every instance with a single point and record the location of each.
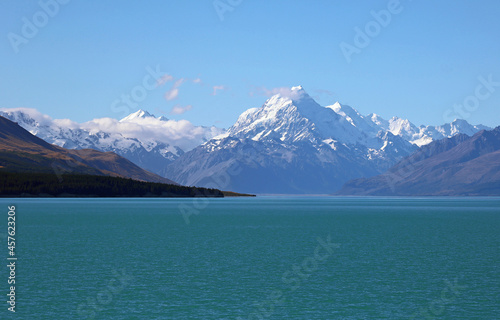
(75, 185)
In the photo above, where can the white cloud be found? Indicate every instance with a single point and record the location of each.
(180, 133)
(172, 94)
(42, 119)
(174, 91)
(327, 92)
(164, 79)
(283, 91)
(197, 80)
(67, 123)
(217, 88)
(148, 130)
(179, 82)
(178, 109)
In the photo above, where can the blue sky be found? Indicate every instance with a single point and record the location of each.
(222, 57)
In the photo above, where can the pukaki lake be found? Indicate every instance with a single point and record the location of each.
(255, 258)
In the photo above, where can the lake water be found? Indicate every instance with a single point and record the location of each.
(255, 258)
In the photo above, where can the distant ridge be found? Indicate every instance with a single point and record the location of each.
(20, 151)
(457, 166)
(149, 142)
(290, 145)
(293, 145)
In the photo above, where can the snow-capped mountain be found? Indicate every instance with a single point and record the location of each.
(293, 145)
(289, 145)
(457, 166)
(424, 135)
(150, 142)
(139, 114)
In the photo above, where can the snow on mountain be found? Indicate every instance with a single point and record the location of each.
(428, 134)
(297, 117)
(355, 118)
(424, 135)
(458, 166)
(378, 120)
(149, 142)
(293, 145)
(140, 114)
(290, 144)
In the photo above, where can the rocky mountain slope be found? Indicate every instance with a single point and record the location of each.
(293, 145)
(458, 166)
(20, 151)
(289, 145)
(149, 142)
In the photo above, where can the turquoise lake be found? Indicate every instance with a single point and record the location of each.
(255, 258)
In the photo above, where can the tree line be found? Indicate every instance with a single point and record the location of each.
(44, 184)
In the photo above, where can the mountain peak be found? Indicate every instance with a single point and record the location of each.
(343, 109)
(138, 114)
(294, 94)
(460, 122)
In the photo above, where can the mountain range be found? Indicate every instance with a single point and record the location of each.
(21, 151)
(289, 145)
(292, 145)
(148, 141)
(457, 166)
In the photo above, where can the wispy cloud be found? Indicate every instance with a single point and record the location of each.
(173, 93)
(180, 133)
(283, 91)
(178, 109)
(179, 82)
(326, 92)
(218, 88)
(319, 93)
(164, 79)
(197, 80)
(34, 114)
